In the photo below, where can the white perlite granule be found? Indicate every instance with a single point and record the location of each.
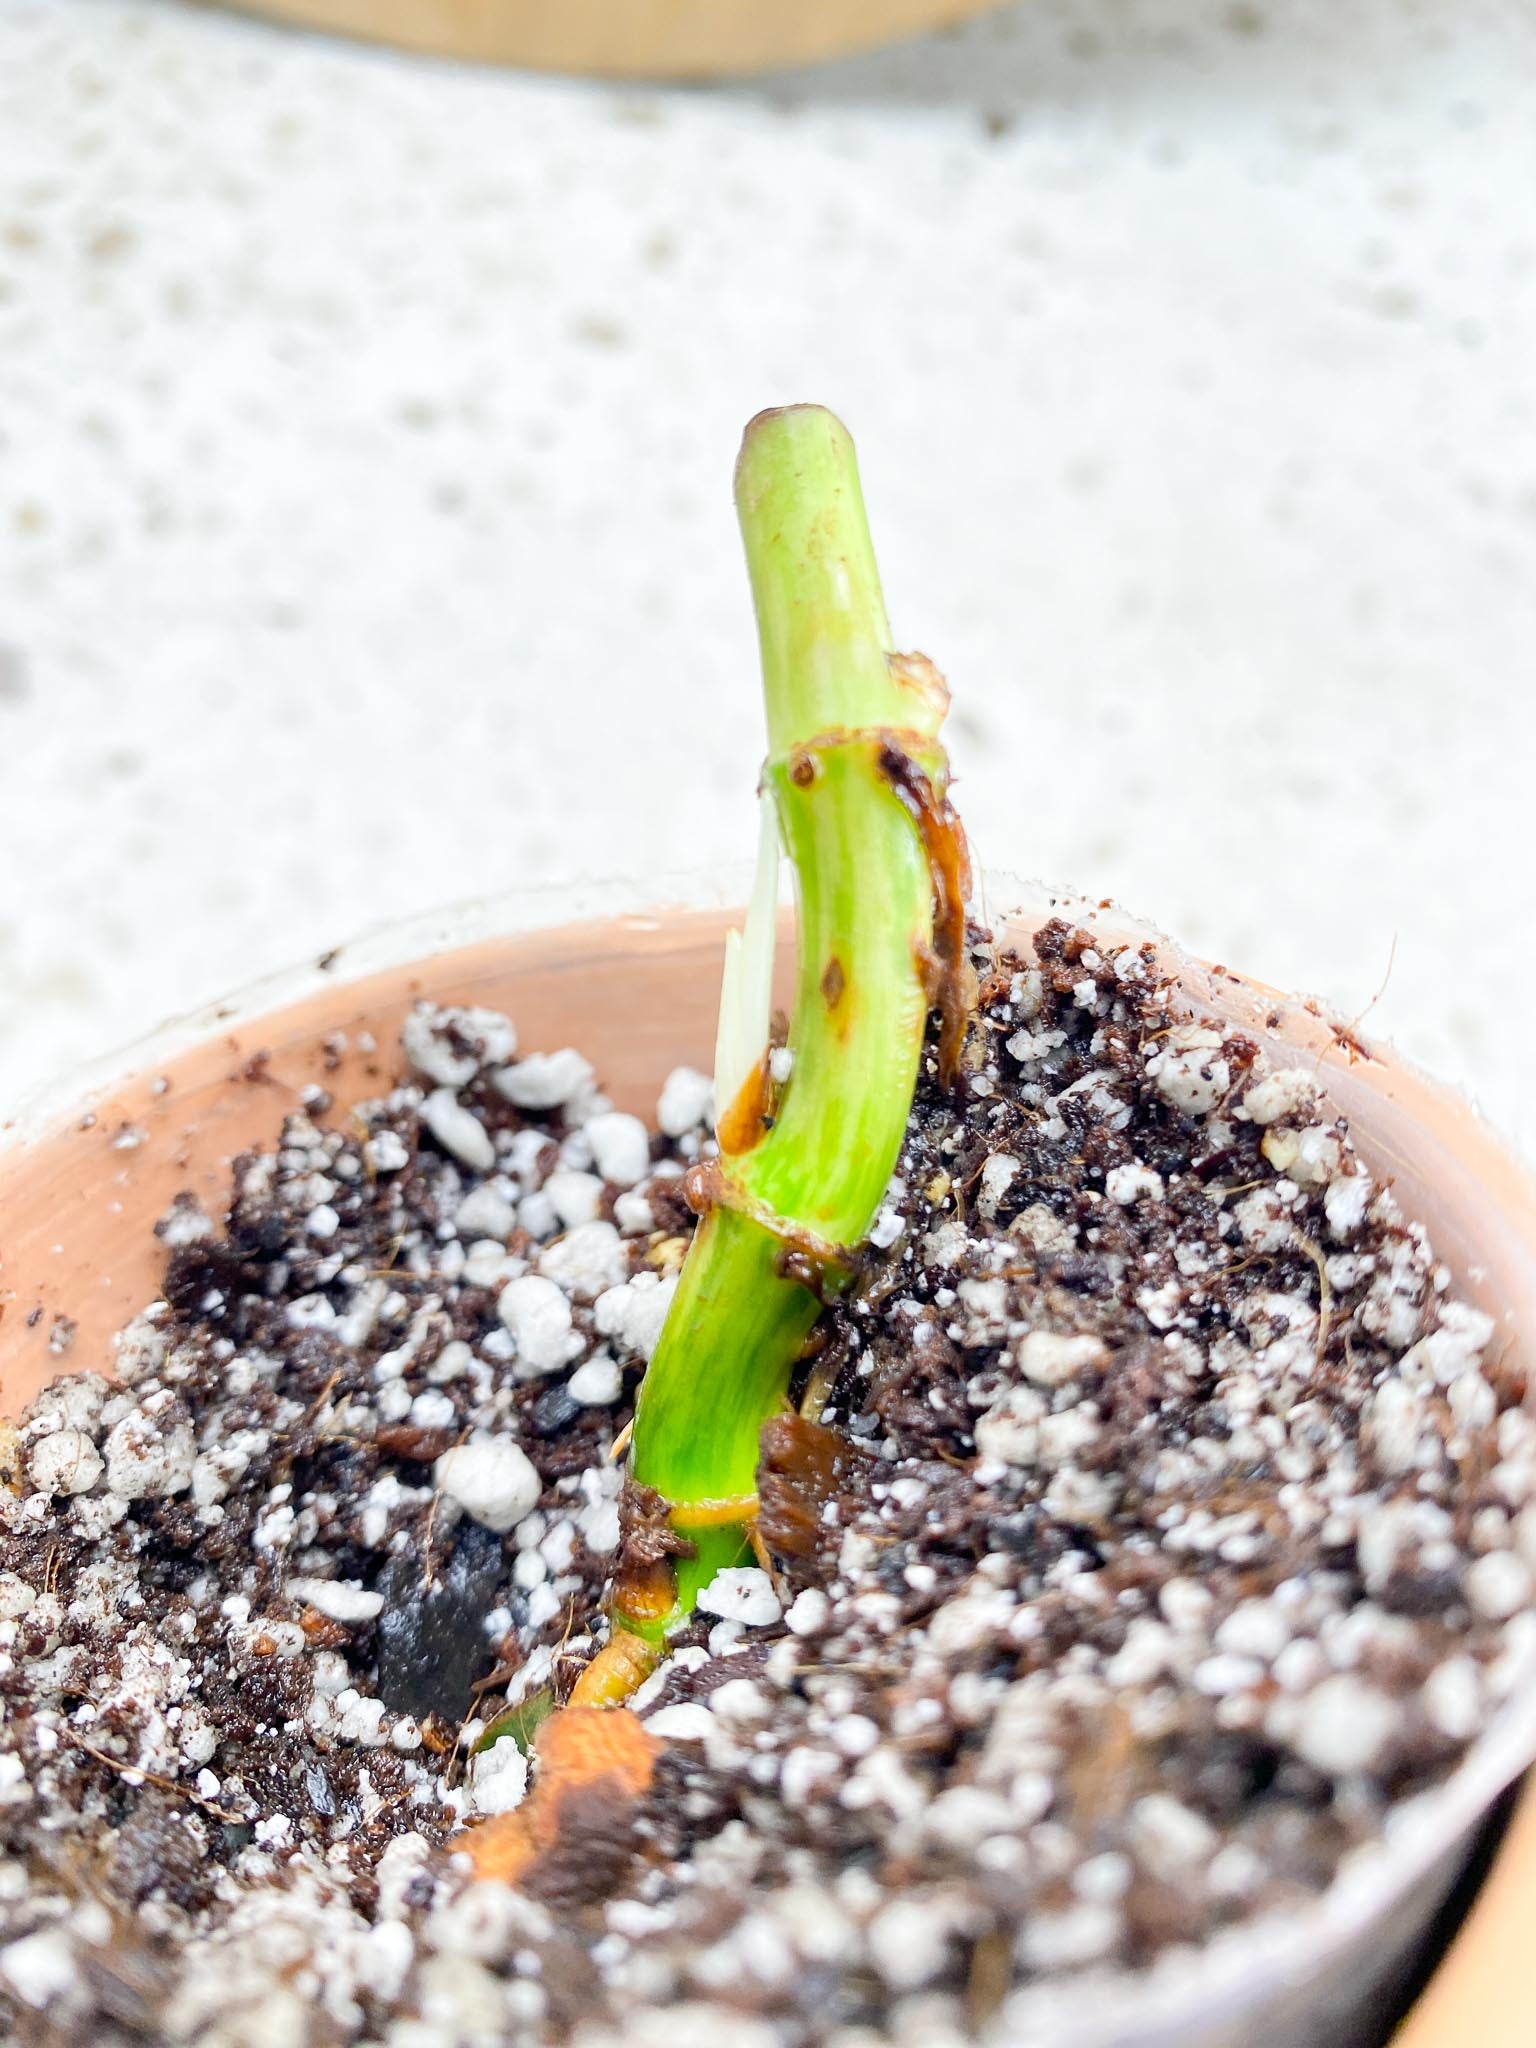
(499, 1778)
(741, 1593)
(66, 1462)
(687, 1102)
(341, 1599)
(450, 1046)
(491, 1479)
(538, 1315)
(545, 1080)
(458, 1130)
(151, 1452)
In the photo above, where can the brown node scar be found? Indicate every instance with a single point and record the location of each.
(708, 1186)
(814, 1275)
(647, 1538)
(653, 1534)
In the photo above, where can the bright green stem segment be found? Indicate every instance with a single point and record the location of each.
(865, 893)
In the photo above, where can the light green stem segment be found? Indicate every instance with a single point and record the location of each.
(865, 892)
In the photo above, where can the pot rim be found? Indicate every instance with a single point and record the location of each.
(384, 944)
(1227, 1975)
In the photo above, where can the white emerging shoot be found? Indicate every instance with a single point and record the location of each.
(746, 986)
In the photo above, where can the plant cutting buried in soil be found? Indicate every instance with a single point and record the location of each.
(807, 1137)
(1131, 1517)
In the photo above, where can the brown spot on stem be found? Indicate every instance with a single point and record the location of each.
(833, 982)
(749, 1114)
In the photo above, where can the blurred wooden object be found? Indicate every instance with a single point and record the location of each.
(626, 38)
(1484, 1994)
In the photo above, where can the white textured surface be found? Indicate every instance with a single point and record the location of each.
(365, 439)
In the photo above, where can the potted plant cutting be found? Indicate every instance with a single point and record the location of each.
(1010, 1528)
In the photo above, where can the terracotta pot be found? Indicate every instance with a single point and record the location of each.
(81, 1185)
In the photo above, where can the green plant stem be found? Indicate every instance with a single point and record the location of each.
(838, 704)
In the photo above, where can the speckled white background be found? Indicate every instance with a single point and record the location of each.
(365, 440)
